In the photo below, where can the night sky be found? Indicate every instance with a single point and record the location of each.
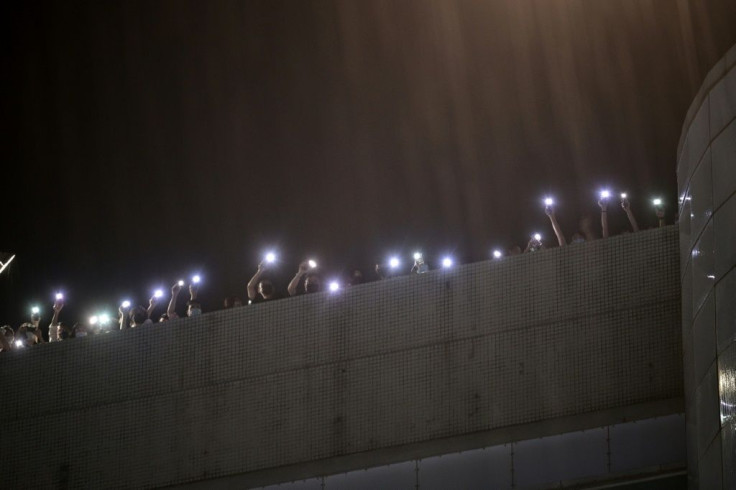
(144, 141)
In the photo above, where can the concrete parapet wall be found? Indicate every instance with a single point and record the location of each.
(486, 348)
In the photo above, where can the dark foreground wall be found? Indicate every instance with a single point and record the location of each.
(558, 340)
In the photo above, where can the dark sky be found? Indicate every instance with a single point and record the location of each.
(146, 140)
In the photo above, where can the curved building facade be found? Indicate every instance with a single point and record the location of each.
(706, 178)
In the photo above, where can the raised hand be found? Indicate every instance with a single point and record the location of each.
(625, 205)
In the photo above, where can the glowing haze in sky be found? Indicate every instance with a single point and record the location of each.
(152, 140)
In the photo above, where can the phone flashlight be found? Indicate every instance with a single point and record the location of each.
(623, 195)
(537, 237)
(497, 254)
(35, 310)
(19, 343)
(104, 319)
(657, 202)
(605, 194)
(180, 283)
(393, 262)
(158, 293)
(125, 304)
(334, 286)
(59, 296)
(447, 262)
(196, 279)
(93, 320)
(312, 263)
(270, 257)
(548, 201)
(417, 255)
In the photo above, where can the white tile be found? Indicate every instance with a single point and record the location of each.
(728, 451)
(707, 409)
(731, 57)
(724, 228)
(704, 338)
(687, 298)
(683, 167)
(698, 138)
(726, 310)
(723, 102)
(703, 267)
(701, 198)
(724, 165)
(727, 384)
(710, 467)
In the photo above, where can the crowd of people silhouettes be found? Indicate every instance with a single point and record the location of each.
(260, 288)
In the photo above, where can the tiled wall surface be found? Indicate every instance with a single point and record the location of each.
(483, 347)
(706, 176)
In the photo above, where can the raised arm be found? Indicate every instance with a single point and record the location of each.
(550, 211)
(530, 245)
(253, 283)
(151, 306)
(379, 272)
(54, 326)
(627, 208)
(124, 324)
(171, 310)
(660, 216)
(294, 283)
(603, 203)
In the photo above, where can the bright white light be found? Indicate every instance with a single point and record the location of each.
(417, 255)
(447, 262)
(623, 195)
(126, 304)
(19, 343)
(158, 293)
(312, 263)
(104, 319)
(393, 262)
(334, 286)
(93, 320)
(35, 310)
(270, 257)
(180, 283)
(605, 194)
(196, 279)
(537, 237)
(548, 201)
(59, 296)
(497, 254)
(657, 201)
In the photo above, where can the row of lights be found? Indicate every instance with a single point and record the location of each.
(393, 262)
(605, 194)
(104, 318)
